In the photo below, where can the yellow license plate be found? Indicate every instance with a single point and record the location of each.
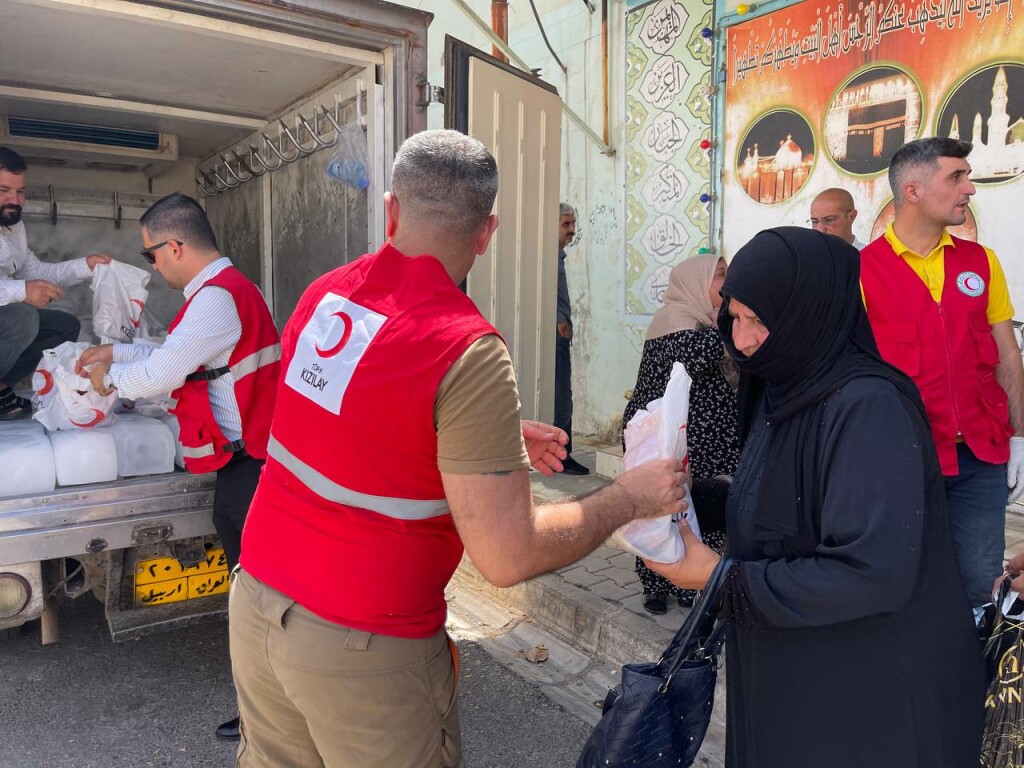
(161, 580)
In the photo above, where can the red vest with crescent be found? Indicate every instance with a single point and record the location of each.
(254, 365)
(350, 517)
(947, 348)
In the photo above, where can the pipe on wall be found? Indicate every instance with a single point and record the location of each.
(499, 23)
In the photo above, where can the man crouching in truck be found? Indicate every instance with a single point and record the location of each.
(220, 363)
(397, 440)
(26, 286)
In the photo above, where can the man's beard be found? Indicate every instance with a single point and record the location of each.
(10, 215)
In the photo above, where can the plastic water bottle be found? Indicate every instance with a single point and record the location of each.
(350, 172)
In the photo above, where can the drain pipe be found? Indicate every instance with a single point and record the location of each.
(604, 64)
(499, 23)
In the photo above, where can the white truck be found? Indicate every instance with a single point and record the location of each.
(240, 103)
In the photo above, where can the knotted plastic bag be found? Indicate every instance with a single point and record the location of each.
(350, 164)
(61, 398)
(658, 432)
(119, 293)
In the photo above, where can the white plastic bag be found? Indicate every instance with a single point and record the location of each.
(119, 296)
(658, 432)
(64, 400)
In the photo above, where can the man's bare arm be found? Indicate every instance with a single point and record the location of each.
(1010, 372)
(509, 539)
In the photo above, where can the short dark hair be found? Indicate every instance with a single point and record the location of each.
(180, 216)
(445, 179)
(919, 153)
(11, 161)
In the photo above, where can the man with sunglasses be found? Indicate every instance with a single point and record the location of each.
(219, 362)
(833, 213)
(27, 286)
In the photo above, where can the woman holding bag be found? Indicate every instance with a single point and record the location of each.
(851, 642)
(685, 330)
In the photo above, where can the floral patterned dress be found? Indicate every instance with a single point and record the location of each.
(711, 433)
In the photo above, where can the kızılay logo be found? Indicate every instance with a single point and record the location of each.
(970, 283)
(345, 335)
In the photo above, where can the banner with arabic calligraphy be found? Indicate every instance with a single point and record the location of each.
(822, 95)
(668, 78)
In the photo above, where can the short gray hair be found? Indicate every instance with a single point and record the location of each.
(445, 179)
(920, 153)
(564, 209)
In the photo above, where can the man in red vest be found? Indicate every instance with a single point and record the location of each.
(220, 362)
(940, 310)
(397, 441)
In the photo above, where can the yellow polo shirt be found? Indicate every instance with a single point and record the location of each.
(931, 270)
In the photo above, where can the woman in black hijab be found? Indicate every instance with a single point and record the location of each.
(851, 641)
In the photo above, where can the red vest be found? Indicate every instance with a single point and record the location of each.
(254, 365)
(946, 348)
(350, 517)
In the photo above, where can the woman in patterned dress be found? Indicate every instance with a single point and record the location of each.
(685, 330)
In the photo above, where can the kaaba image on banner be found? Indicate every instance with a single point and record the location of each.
(873, 115)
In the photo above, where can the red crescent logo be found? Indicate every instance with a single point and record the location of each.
(344, 337)
(972, 283)
(142, 306)
(96, 420)
(47, 381)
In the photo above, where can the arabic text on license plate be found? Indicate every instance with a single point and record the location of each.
(160, 580)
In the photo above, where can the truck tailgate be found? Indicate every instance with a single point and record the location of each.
(95, 518)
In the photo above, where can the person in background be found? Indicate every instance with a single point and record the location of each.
(849, 642)
(27, 286)
(685, 330)
(220, 362)
(563, 341)
(833, 213)
(396, 442)
(940, 310)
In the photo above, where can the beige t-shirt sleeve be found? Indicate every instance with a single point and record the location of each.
(476, 412)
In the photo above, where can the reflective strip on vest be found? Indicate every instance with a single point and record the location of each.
(197, 453)
(255, 361)
(401, 509)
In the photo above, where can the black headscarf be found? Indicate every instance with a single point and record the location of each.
(805, 287)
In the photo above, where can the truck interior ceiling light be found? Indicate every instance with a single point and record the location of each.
(14, 594)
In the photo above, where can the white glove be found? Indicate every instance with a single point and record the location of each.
(1015, 469)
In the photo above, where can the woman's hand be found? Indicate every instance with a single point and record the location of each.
(694, 568)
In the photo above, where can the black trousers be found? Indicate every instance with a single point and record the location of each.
(25, 332)
(563, 386)
(236, 484)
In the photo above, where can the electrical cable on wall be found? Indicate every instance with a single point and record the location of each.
(544, 35)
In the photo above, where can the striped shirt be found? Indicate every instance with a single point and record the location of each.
(206, 335)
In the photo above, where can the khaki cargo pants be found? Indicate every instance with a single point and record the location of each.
(312, 693)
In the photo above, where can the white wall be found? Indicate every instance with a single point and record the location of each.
(606, 347)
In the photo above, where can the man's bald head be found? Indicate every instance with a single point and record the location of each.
(833, 213)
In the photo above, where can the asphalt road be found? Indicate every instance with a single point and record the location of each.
(153, 702)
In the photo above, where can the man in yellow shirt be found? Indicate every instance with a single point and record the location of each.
(940, 310)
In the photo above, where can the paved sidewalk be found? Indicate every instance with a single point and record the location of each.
(595, 605)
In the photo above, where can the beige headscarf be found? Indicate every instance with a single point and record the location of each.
(687, 300)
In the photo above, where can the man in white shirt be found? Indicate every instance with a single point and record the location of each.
(833, 213)
(26, 286)
(220, 361)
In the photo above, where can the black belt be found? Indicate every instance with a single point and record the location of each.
(208, 375)
(235, 447)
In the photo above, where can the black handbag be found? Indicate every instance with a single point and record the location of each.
(1003, 742)
(658, 715)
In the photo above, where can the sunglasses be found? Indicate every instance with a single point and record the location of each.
(149, 254)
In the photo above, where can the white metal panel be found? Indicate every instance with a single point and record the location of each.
(515, 284)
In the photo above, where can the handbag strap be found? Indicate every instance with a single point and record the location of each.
(700, 632)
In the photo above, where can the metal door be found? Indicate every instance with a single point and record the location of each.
(518, 117)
